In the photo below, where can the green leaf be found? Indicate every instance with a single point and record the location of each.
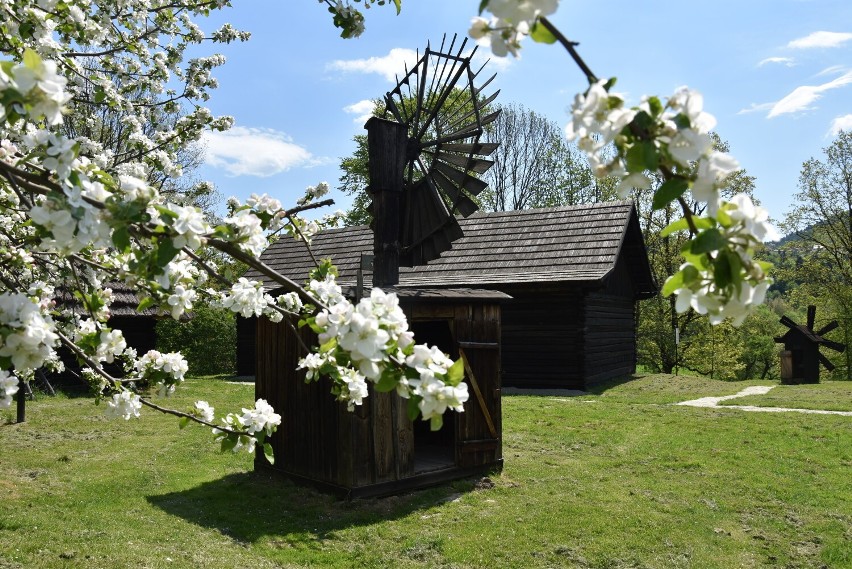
(708, 240)
(413, 409)
(229, 442)
(145, 303)
(166, 212)
(166, 252)
(32, 59)
(387, 382)
(328, 346)
(669, 191)
(184, 421)
(456, 372)
(723, 273)
(610, 83)
(642, 156)
(398, 4)
(539, 33)
(267, 452)
(678, 225)
(436, 422)
(655, 105)
(121, 239)
(673, 283)
(482, 5)
(723, 218)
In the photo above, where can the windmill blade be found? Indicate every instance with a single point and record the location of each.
(425, 211)
(836, 346)
(471, 130)
(788, 322)
(391, 106)
(811, 316)
(826, 362)
(465, 161)
(461, 202)
(483, 104)
(463, 180)
(827, 328)
(430, 229)
(480, 148)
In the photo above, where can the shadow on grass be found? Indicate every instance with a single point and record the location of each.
(601, 388)
(252, 505)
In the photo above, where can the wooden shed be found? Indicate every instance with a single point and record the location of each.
(376, 449)
(574, 273)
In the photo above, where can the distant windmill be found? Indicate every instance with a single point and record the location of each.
(803, 344)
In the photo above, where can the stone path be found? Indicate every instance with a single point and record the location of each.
(756, 390)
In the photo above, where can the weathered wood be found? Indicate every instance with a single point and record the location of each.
(483, 406)
(386, 148)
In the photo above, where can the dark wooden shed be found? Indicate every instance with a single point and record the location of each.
(376, 449)
(574, 274)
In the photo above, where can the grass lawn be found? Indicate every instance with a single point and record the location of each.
(831, 396)
(615, 479)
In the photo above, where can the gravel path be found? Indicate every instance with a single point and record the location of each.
(756, 390)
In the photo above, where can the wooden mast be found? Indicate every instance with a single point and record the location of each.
(386, 143)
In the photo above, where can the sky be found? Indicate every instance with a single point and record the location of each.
(776, 74)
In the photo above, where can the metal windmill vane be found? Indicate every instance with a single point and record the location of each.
(803, 343)
(425, 158)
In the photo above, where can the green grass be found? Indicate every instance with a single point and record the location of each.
(611, 480)
(831, 396)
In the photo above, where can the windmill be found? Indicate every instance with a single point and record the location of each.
(803, 343)
(424, 158)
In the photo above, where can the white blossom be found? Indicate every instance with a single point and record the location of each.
(204, 411)
(8, 388)
(124, 404)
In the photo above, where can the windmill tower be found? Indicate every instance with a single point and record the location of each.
(425, 159)
(801, 344)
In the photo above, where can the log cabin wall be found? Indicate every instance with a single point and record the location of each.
(610, 328)
(542, 341)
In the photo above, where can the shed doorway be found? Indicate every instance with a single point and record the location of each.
(435, 450)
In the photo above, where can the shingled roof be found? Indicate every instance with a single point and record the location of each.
(552, 245)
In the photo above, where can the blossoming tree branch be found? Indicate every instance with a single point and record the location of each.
(83, 213)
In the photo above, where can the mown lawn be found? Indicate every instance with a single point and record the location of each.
(616, 479)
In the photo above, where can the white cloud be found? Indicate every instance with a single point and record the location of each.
(257, 152)
(756, 107)
(821, 39)
(841, 123)
(362, 110)
(388, 66)
(787, 61)
(392, 66)
(801, 98)
(832, 70)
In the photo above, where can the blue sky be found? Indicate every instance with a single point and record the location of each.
(777, 75)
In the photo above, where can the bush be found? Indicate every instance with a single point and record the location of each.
(208, 340)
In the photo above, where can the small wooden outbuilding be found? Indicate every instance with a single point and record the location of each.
(574, 273)
(376, 449)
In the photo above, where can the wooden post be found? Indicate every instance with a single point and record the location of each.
(386, 149)
(22, 401)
